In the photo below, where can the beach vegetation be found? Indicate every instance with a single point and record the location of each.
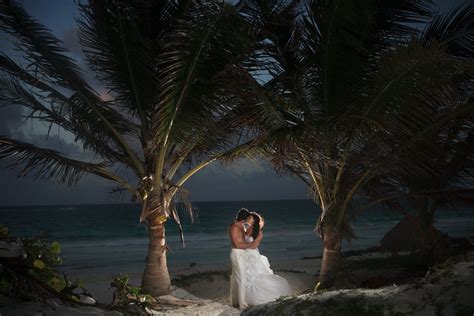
(360, 93)
(29, 270)
(336, 305)
(126, 294)
(3, 231)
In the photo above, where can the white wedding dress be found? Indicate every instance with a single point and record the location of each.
(260, 284)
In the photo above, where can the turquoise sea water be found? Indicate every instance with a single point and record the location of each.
(110, 237)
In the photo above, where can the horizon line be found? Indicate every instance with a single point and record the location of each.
(132, 203)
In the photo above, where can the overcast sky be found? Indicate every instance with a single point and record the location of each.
(246, 180)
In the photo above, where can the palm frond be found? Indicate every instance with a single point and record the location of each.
(42, 49)
(54, 108)
(196, 58)
(180, 57)
(424, 100)
(45, 54)
(120, 54)
(341, 42)
(180, 202)
(45, 163)
(454, 29)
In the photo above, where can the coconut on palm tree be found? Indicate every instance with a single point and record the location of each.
(354, 85)
(165, 66)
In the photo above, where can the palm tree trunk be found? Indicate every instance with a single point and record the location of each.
(331, 262)
(156, 279)
(425, 222)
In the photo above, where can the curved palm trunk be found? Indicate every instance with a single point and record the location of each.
(156, 279)
(331, 262)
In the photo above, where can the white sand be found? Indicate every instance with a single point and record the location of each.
(208, 286)
(301, 278)
(446, 291)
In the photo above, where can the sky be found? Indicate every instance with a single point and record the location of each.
(245, 180)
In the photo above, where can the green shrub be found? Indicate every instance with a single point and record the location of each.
(34, 276)
(127, 294)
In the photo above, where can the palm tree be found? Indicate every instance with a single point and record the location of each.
(166, 66)
(452, 157)
(450, 186)
(354, 84)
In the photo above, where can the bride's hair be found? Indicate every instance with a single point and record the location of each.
(256, 224)
(242, 215)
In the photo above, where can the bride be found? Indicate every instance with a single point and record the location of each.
(261, 284)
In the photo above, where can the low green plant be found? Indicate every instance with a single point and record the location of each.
(126, 294)
(34, 275)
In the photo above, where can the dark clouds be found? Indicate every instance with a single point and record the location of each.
(14, 124)
(71, 42)
(10, 119)
(446, 5)
(27, 190)
(246, 180)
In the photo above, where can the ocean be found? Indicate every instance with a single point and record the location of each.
(101, 238)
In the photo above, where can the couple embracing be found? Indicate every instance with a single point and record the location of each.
(252, 281)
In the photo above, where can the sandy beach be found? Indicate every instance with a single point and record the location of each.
(206, 286)
(380, 283)
(446, 289)
(207, 281)
(200, 272)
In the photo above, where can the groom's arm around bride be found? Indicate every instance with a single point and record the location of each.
(238, 241)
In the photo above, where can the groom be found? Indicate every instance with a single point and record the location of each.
(237, 239)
